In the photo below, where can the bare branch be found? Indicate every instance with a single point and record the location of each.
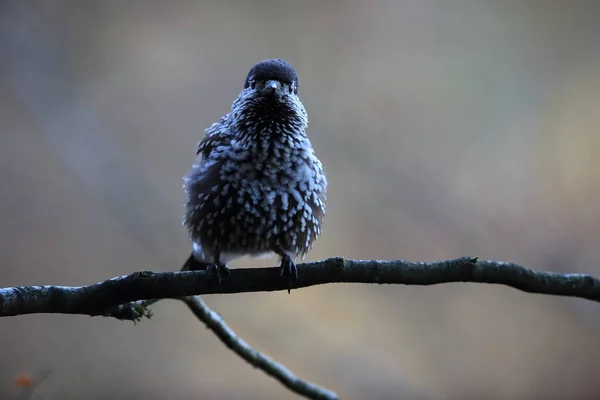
(259, 360)
(124, 297)
(128, 297)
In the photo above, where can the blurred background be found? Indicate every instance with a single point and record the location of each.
(446, 129)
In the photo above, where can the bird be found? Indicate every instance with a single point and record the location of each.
(256, 186)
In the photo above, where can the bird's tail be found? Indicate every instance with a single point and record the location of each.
(191, 264)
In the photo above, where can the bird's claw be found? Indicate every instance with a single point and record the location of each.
(288, 267)
(218, 269)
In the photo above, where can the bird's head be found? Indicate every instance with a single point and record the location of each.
(269, 102)
(273, 80)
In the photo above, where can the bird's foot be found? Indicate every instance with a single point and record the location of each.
(288, 270)
(219, 269)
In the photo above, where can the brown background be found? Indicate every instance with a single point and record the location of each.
(446, 129)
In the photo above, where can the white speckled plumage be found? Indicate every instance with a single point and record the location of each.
(257, 186)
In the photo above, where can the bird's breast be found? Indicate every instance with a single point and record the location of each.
(262, 199)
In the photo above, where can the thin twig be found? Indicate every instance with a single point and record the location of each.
(127, 297)
(259, 360)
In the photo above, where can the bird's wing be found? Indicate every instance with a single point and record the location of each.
(216, 134)
(205, 146)
(209, 143)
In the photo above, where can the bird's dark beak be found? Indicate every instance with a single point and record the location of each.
(271, 89)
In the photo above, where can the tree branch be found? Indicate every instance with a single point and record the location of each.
(259, 360)
(128, 297)
(125, 297)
